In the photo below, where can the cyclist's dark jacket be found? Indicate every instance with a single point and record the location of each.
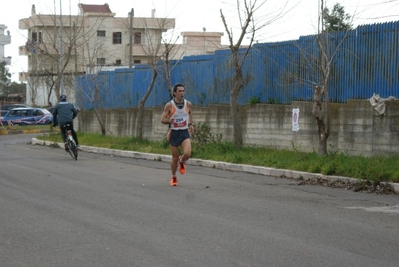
(64, 112)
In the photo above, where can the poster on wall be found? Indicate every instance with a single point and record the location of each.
(295, 119)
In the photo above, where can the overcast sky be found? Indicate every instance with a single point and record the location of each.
(300, 17)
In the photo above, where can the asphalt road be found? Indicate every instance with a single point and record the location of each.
(113, 211)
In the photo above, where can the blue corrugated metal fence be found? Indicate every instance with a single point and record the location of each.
(365, 61)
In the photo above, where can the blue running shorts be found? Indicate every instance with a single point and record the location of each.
(176, 137)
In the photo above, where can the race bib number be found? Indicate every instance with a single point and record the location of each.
(179, 123)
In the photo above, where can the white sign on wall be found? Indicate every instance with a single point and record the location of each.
(295, 119)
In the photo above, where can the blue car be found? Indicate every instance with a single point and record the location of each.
(27, 116)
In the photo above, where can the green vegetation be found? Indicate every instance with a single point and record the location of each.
(254, 100)
(5, 77)
(208, 146)
(336, 19)
(6, 86)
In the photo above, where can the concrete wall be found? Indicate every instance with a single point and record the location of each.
(355, 127)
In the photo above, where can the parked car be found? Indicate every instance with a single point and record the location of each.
(27, 116)
(6, 108)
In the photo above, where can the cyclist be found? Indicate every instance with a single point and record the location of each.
(64, 113)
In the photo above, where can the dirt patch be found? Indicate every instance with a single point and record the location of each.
(52, 145)
(357, 186)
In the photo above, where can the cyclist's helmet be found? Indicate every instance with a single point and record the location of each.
(63, 98)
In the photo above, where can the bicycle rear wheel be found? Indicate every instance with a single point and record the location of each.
(73, 151)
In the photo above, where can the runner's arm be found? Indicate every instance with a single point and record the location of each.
(165, 119)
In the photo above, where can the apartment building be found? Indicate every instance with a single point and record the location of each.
(4, 40)
(60, 48)
(200, 43)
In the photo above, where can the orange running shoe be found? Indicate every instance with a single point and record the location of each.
(173, 181)
(182, 166)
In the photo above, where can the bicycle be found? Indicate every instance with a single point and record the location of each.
(70, 142)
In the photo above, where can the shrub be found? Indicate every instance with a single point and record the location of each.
(203, 136)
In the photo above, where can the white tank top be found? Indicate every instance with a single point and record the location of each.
(180, 116)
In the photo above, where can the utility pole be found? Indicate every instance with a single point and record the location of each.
(74, 46)
(204, 29)
(131, 14)
(61, 54)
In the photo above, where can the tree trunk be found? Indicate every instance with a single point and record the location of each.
(235, 117)
(140, 121)
(322, 149)
(100, 117)
(234, 109)
(99, 111)
(323, 126)
(167, 73)
(140, 117)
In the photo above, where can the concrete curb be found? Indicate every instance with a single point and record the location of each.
(215, 164)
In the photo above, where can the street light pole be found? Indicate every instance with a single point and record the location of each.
(131, 14)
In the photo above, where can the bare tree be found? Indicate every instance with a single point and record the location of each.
(155, 50)
(50, 82)
(324, 64)
(34, 80)
(94, 92)
(93, 51)
(57, 48)
(97, 90)
(317, 56)
(47, 57)
(169, 46)
(96, 51)
(246, 10)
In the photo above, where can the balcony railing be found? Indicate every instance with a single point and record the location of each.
(23, 51)
(5, 39)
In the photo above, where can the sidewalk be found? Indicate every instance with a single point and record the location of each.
(216, 164)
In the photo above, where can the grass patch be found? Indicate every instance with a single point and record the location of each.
(373, 169)
(46, 127)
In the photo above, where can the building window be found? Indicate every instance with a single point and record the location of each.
(34, 37)
(101, 61)
(101, 33)
(118, 62)
(137, 38)
(40, 39)
(117, 38)
(37, 37)
(136, 61)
